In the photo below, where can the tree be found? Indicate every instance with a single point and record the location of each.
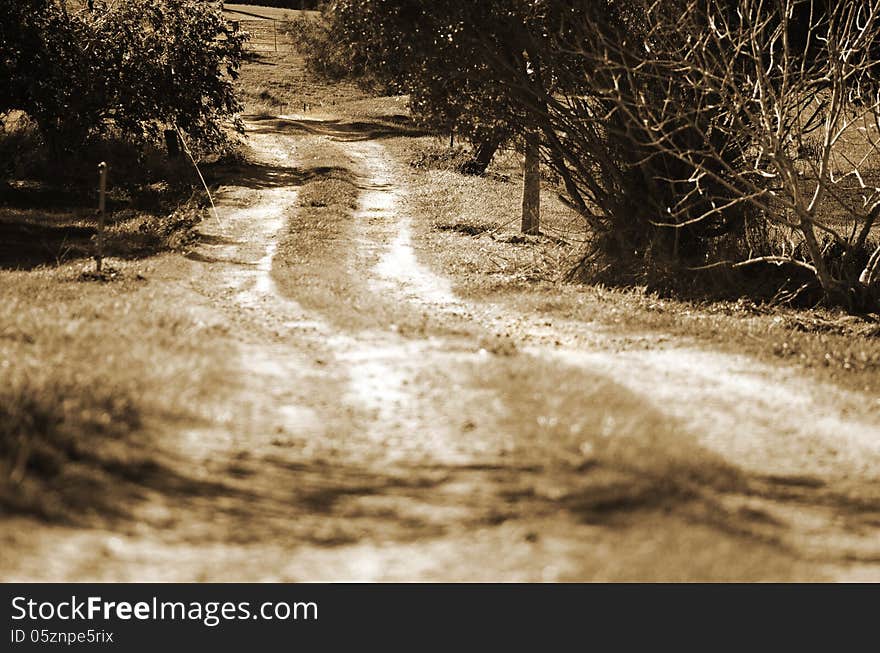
(768, 120)
(133, 68)
(423, 49)
(680, 129)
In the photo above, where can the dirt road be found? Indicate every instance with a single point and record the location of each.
(403, 433)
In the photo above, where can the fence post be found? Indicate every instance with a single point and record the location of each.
(531, 202)
(172, 143)
(102, 209)
(275, 35)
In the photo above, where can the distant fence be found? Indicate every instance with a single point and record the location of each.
(265, 34)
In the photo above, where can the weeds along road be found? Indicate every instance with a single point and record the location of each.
(373, 426)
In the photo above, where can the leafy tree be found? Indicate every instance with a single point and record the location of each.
(22, 28)
(134, 67)
(424, 49)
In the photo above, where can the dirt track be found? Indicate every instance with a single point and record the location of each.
(416, 436)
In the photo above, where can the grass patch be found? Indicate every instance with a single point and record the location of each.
(463, 228)
(57, 444)
(92, 375)
(278, 83)
(320, 233)
(471, 225)
(83, 364)
(825, 345)
(30, 238)
(48, 202)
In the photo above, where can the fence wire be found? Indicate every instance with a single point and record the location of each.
(266, 35)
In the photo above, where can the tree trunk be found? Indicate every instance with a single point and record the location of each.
(531, 199)
(870, 277)
(815, 253)
(172, 143)
(482, 157)
(835, 292)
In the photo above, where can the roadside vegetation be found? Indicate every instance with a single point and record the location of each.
(92, 374)
(469, 230)
(321, 234)
(88, 359)
(699, 146)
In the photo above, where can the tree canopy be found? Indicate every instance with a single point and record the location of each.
(133, 67)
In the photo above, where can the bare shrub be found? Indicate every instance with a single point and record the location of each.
(736, 95)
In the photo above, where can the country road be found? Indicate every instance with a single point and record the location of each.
(405, 433)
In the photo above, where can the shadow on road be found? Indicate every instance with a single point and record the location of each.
(258, 176)
(341, 130)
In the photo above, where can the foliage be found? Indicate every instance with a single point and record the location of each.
(325, 55)
(135, 67)
(423, 49)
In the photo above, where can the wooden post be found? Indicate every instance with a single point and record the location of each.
(531, 199)
(275, 36)
(172, 143)
(102, 209)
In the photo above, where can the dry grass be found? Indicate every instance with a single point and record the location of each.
(277, 83)
(484, 213)
(91, 362)
(90, 370)
(321, 233)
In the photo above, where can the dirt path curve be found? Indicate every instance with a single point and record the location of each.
(449, 440)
